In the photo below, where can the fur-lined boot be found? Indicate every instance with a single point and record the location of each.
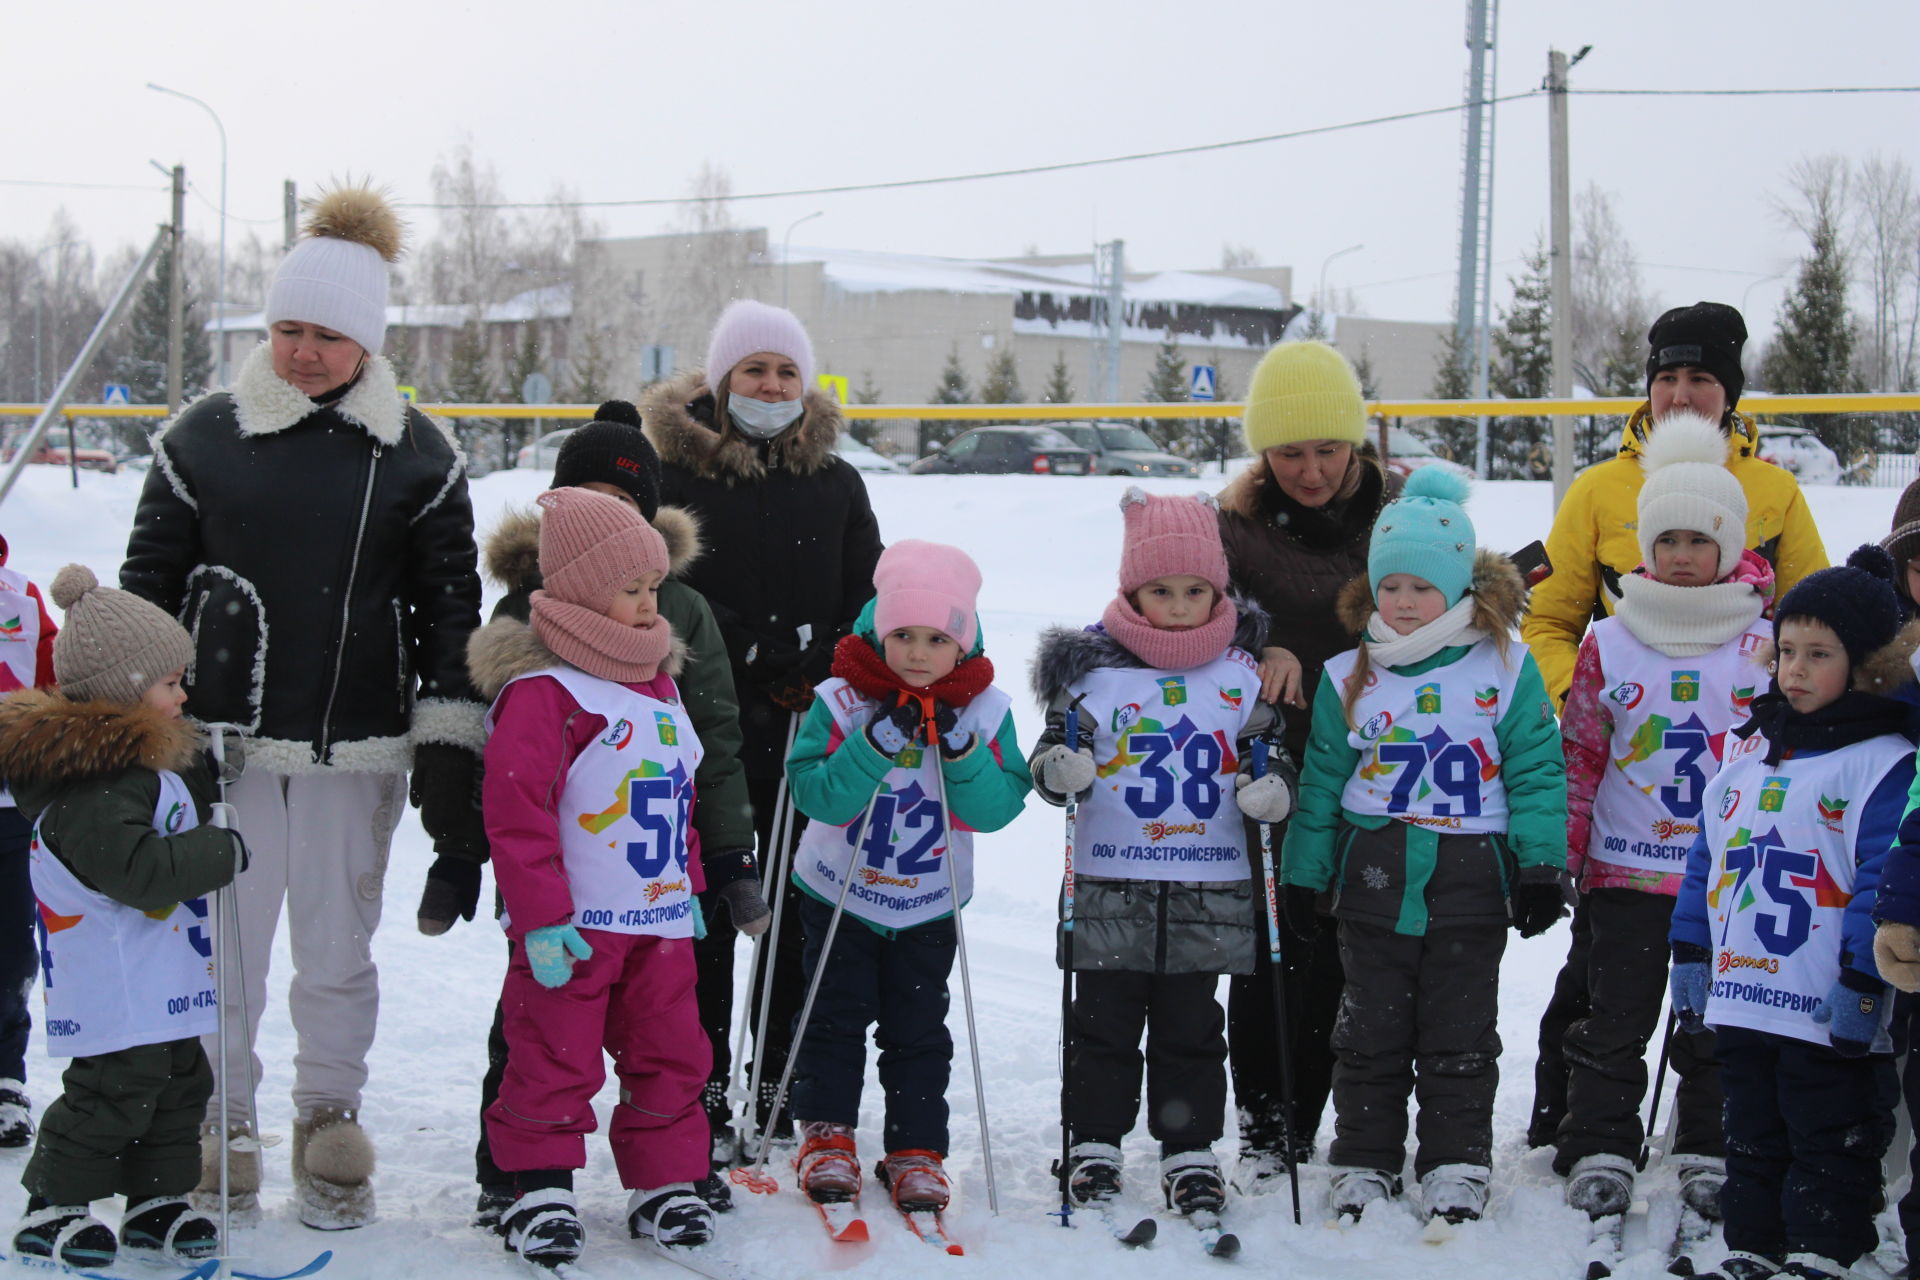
(243, 1174)
(332, 1170)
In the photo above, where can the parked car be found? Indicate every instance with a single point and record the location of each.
(861, 458)
(56, 455)
(1122, 449)
(1039, 451)
(1408, 451)
(1798, 450)
(543, 451)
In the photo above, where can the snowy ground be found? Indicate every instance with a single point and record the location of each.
(1048, 548)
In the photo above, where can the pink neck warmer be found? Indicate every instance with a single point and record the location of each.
(596, 643)
(1171, 650)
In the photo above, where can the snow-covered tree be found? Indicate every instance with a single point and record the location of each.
(1521, 369)
(1002, 383)
(1059, 382)
(953, 388)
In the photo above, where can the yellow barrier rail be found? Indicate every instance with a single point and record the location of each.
(1756, 405)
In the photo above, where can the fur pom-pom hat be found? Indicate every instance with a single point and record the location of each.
(1855, 600)
(113, 645)
(1425, 533)
(335, 276)
(1166, 536)
(1688, 486)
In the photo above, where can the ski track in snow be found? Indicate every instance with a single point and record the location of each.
(1048, 548)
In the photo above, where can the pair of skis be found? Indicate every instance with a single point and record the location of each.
(844, 1225)
(1606, 1244)
(202, 1271)
(1215, 1240)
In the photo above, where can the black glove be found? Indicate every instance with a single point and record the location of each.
(453, 891)
(1539, 900)
(1301, 906)
(955, 742)
(793, 687)
(894, 729)
(445, 787)
(245, 855)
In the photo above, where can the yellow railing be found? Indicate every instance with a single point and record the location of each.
(1761, 406)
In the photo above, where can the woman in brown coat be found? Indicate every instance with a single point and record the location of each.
(1295, 524)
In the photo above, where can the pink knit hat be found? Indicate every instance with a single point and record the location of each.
(927, 584)
(591, 545)
(747, 326)
(1166, 536)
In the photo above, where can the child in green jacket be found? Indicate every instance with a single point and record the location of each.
(1433, 805)
(895, 813)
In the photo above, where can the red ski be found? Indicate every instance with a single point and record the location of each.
(930, 1225)
(843, 1221)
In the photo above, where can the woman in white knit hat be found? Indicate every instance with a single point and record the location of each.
(747, 446)
(312, 530)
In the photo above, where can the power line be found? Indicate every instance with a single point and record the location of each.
(79, 186)
(1740, 93)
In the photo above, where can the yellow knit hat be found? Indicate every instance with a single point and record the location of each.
(1303, 391)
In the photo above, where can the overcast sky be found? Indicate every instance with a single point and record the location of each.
(623, 100)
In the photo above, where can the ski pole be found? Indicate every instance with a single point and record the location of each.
(773, 885)
(1260, 749)
(1072, 740)
(224, 915)
(1659, 1079)
(932, 734)
(757, 1179)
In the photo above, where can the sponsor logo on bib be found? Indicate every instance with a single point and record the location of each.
(619, 735)
(1668, 828)
(1686, 686)
(1426, 700)
(1158, 831)
(1730, 960)
(1729, 801)
(1124, 717)
(1173, 690)
(669, 731)
(1833, 813)
(1742, 700)
(1377, 725)
(1627, 695)
(1773, 795)
(11, 627)
(1487, 702)
(1231, 698)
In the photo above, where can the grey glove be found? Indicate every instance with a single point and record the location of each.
(749, 910)
(1063, 771)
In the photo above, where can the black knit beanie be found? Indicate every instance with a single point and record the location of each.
(1707, 335)
(1856, 600)
(612, 450)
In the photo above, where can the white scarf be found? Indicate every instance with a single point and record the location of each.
(1685, 622)
(1388, 648)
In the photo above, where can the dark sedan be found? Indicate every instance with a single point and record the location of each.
(1039, 451)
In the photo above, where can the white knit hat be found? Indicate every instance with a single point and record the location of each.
(747, 326)
(336, 276)
(1688, 486)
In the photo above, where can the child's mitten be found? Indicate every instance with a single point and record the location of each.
(955, 742)
(1896, 954)
(1687, 984)
(1851, 1013)
(1539, 899)
(551, 951)
(1267, 798)
(1301, 907)
(1062, 771)
(747, 906)
(892, 729)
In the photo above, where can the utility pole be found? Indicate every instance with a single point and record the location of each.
(1110, 273)
(1472, 308)
(290, 213)
(1561, 261)
(176, 290)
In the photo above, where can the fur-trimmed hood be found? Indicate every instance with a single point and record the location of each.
(264, 403)
(511, 557)
(1065, 654)
(507, 648)
(1499, 597)
(1882, 672)
(678, 417)
(48, 738)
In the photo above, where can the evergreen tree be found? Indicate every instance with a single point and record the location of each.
(1002, 383)
(1456, 438)
(592, 369)
(1059, 382)
(144, 365)
(953, 389)
(1812, 348)
(1517, 448)
(469, 381)
(865, 430)
(527, 359)
(1363, 371)
(1167, 384)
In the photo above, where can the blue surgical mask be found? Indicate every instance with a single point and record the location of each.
(760, 420)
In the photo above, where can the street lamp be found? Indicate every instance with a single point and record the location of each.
(1320, 298)
(220, 300)
(1755, 285)
(785, 242)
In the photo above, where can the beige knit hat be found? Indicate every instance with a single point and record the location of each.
(113, 645)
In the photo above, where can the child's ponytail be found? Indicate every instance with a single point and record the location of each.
(1356, 682)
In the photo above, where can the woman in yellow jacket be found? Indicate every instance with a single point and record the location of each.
(1693, 366)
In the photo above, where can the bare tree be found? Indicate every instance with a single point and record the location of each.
(711, 263)
(1234, 257)
(1610, 308)
(1887, 233)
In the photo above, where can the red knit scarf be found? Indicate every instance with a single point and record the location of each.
(857, 662)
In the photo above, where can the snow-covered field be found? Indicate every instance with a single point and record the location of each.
(1048, 548)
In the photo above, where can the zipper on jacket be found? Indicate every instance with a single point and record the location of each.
(346, 611)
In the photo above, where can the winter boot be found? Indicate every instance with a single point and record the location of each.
(670, 1215)
(782, 1132)
(1093, 1172)
(1741, 1265)
(1456, 1192)
(916, 1179)
(542, 1225)
(332, 1170)
(243, 1174)
(1701, 1178)
(1191, 1182)
(1812, 1266)
(167, 1228)
(827, 1167)
(1354, 1189)
(16, 1114)
(1600, 1185)
(714, 1190)
(495, 1199)
(66, 1233)
(726, 1139)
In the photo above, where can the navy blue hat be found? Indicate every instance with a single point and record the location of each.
(1856, 600)
(612, 450)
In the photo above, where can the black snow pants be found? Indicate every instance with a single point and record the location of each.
(1310, 970)
(1185, 1058)
(1417, 1019)
(126, 1123)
